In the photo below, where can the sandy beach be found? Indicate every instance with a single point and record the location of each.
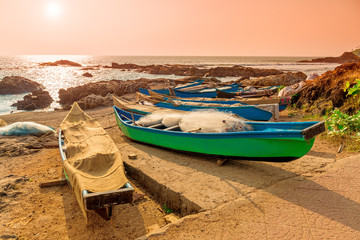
(314, 197)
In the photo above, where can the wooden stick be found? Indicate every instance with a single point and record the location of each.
(221, 162)
(128, 118)
(60, 182)
(132, 116)
(193, 130)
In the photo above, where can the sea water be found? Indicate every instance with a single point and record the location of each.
(55, 78)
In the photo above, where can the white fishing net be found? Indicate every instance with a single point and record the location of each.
(209, 121)
(212, 121)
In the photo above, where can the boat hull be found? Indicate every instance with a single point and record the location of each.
(250, 144)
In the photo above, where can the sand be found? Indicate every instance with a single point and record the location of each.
(234, 201)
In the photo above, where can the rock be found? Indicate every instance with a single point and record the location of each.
(36, 100)
(93, 101)
(190, 70)
(285, 79)
(17, 84)
(103, 88)
(60, 63)
(87, 74)
(346, 57)
(327, 91)
(171, 218)
(132, 156)
(2, 123)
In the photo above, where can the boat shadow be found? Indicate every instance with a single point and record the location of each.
(126, 222)
(323, 197)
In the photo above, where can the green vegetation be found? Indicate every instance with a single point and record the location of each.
(343, 128)
(167, 210)
(354, 90)
(357, 52)
(339, 123)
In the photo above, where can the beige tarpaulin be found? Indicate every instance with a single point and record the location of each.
(93, 161)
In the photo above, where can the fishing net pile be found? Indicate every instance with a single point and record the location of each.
(209, 121)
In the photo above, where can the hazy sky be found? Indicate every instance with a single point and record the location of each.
(180, 27)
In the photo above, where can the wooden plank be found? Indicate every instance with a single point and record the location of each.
(106, 199)
(172, 128)
(60, 182)
(314, 130)
(156, 125)
(193, 130)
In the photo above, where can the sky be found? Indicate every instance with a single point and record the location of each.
(179, 27)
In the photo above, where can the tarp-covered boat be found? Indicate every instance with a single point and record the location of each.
(267, 141)
(92, 164)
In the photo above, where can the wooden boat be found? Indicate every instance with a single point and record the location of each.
(92, 164)
(283, 102)
(207, 93)
(166, 91)
(255, 93)
(263, 112)
(268, 141)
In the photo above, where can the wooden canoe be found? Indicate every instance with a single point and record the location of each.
(92, 164)
(280, 141)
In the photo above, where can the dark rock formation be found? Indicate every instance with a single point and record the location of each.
(87, 74)
(92, 101)
(17, 84)
(116, 87)
(60, 63)
(189, 70)
(327, 91)
(346, 57)
(285, 79)
(36, 100)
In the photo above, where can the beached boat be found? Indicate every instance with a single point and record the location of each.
(206, 93)
(166, 91)
(267, 141)
(283, 102)
(262, 112)
(92, 164)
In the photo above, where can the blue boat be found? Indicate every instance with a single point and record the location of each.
(166, 91)
(280, 141)
(283, 102)
(205, 93)
(249, 112)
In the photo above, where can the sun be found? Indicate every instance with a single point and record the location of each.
(53, 9)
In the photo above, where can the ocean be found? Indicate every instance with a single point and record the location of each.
(55, 78)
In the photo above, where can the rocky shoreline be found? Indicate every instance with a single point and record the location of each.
(95, 94)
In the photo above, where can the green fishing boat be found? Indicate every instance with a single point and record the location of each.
(273, 141)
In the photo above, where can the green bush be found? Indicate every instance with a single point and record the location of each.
(353, 91)
(339, 123)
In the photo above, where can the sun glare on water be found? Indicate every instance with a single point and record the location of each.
(53, 9)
